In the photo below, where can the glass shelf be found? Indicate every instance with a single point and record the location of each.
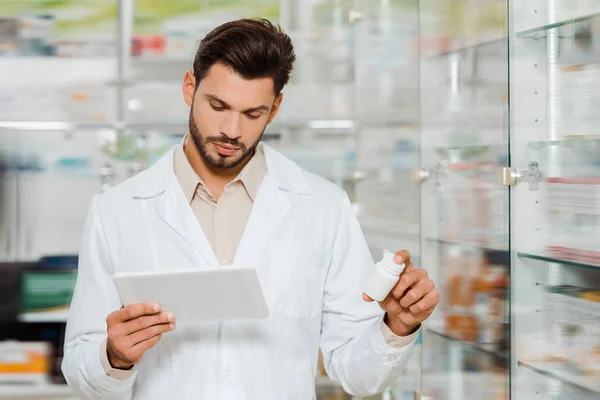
(489, 349)
(555, 371)
(569, 141)
(36, 391)
(584, 146)
(54, 125)
(471, 245)
(457, 153)
(548, 257)
(540, 31)
(474, 45)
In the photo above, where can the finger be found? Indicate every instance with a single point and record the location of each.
(134, 311)
(367, 298)
(403, 257)
(416, 293)
(426, 305)
(149, 333)
(142, 347)
(408, 279)
(147, 321)
(390, 305)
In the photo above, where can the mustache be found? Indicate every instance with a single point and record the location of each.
(225, 140)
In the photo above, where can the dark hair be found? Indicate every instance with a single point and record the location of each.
(253, 48)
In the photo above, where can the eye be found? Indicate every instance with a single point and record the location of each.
(217, 108)
(251, 116)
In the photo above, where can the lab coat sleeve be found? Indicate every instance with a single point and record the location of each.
(354, 349)
(95, 297)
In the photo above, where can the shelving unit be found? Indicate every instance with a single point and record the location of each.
(36, 392)
(563, 375)
(376, 114)
(540, 32)
(487, 349)
(544, 255)
(551, 254)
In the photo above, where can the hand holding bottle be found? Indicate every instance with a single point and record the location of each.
(412, 297)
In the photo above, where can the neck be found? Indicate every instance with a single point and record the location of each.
(214, 178)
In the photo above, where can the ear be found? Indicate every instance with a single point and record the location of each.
(275, 107)
(189, 88)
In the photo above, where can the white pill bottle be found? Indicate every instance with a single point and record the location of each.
(384, 278)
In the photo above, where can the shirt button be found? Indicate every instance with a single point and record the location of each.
(221, 216)
(223, 262)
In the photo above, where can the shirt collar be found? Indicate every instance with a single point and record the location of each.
(251, 175)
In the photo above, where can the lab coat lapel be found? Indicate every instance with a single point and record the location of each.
(269, 209)
(174, 210)
(284, 181)
(160, 184)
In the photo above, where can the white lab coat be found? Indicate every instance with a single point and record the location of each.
(311, 257)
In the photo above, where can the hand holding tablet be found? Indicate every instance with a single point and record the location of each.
(194, 296)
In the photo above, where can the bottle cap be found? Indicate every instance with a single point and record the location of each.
(389, 263)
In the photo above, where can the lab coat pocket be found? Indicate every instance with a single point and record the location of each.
(296, 284)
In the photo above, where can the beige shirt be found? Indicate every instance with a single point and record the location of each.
(223, 223)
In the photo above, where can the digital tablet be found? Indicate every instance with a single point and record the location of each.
(219, 294)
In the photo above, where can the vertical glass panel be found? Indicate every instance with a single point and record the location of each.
(387, 140)
(464, 212)
(554, 96)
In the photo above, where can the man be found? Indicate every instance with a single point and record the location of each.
(224, 198)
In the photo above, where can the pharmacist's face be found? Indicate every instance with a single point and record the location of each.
(228, 115)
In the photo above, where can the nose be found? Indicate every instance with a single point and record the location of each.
(230, 125)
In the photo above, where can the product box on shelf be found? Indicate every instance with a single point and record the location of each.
(579, 98)
(46, 294)
(36, 36)
(148, 45)
(574, 328)
(584, 354)
(562, 326)
(476, 295)
(574, 218)
(24, 362)
(9, 35)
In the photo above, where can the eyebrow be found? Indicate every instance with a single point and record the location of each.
(227, 106)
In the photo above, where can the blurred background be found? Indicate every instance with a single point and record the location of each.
(466, 131)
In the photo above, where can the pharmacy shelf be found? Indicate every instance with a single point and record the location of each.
(488, 349)
(317, 124)
(470, 245)
(544, 255)
(553, 370)
(585, 146)
(467, 152)
(36, 391)
(55, 125)
(48, 316)
(159, 69)
(470, 46)
(568, 141)
(540, 31)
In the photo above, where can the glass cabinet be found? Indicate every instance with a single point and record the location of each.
(555, 92)
(466, 131)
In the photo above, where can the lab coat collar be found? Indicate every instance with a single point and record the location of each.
(286, 174)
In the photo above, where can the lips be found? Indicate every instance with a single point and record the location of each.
(224, 149)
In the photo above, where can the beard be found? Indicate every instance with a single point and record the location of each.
(216, 160)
